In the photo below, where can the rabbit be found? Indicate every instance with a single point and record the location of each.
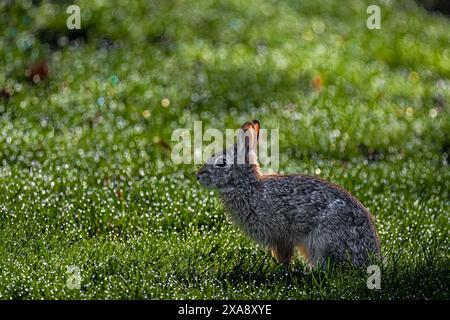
(287, 213)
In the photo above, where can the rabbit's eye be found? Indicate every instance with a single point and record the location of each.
(221, 162)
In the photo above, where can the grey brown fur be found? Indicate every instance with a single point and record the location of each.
(320, 220)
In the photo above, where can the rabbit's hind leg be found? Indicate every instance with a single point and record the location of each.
(317, 247)
(283, 251)
(303, 252)
(312, 261)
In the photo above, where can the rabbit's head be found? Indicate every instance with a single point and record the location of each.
(226, 170)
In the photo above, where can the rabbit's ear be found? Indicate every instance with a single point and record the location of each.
(257, 126)
(251, 134)
(248, 125)
(247, 140)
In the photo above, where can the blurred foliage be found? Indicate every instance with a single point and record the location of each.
(225, 62)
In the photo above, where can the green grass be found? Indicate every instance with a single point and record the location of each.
(92, 184)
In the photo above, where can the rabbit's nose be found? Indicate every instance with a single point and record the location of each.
(200, 172)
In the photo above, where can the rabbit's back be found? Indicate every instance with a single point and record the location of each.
(309, 199)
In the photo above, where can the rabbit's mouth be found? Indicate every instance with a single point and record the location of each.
(204, 180)
(207, 182)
